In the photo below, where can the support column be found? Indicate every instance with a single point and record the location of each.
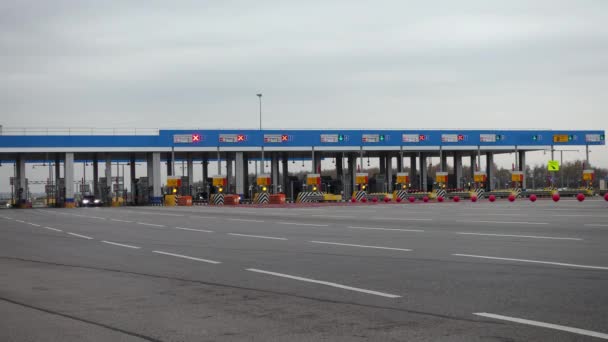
(458, 169)
(205, 171)
(400, 163)
(240, 174)
(443, 161)
(382, 162)
(107, 191)
(522, 167)
(170, 162)
(316, 161)
(352, 159)
(489, 172)
(20, 186)
(69, 179)
(473, 164)
(423, 173)
(389, 173)
(413, 173)
(274, 172)
(286, 186)
(190, 163)
(132, 174)
(229, 177)
(154, 177)
(58, 185)
(96, 177)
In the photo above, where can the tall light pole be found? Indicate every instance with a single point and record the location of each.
(262, 162)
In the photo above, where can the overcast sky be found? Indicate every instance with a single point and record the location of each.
(377, 64)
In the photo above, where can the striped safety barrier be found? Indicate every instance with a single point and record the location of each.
(309, 197)
(359, 195)
(217, 199)
(261, 198)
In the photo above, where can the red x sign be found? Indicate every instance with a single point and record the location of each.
(240, 137)
(196, 138)
(284, 137)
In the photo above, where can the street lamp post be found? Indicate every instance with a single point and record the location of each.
(262, 161)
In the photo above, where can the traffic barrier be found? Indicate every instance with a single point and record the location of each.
(492, 198)
(439, 199)
(309, 197)
(217, 199)
(359, 195)
(374, 199)
(474, 198)
(456, 199)
(261, 198)
(277, 199)
(412, 199)
(364, 199)
(606, 196)
(511, 198)
(425, 199)
(185, 201)
(332, 198)
(232, 199)
(580, 197)
(555, 197)
(441, 193)
(170, 201)
(387, 199)
(533, 198)
(399, 199)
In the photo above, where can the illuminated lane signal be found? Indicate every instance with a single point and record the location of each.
(382, 137)
(423, 137)
(284, 137)
(240, 138)
(602, 137)
(196, 138)
(460, 137)
(340, 137)
(537, 137)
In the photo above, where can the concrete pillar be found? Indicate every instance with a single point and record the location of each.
(69, 177)
(413, 173)
(274, 172)
(154, 177)
(58, 187)
(170, 162)
(339, 167)
(240, 175)
(400, 163)
(458, 169)
(132, 165)
(522, 167)
(389, 173)
(473, 163)
(190, 164)
(316, 162)
(423, 172)
(229, 177)
(108, 174)
(352, 159)
(382, 162)
(20, 186)
(443, 160)
(489, 171)
(205, 171)
(96, 176)
(285, 175)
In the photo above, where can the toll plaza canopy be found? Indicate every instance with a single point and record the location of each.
(294, 140)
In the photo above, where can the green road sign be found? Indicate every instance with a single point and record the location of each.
(553, 165)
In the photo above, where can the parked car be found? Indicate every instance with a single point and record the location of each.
(90, 201)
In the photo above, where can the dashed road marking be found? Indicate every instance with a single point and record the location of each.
(117, 220)
(303, 224)
(120, 244)
(244, 220)
(544, 325)
(187, 257)
(506, 222)
(81, 236)
(195, 230)
(401, 218)
(33, 224)
(327, 283)
(533, 261)
(362, 246)
(389, 229)
(54, 229)
(150, 224)
(258, 236)
(522, 236)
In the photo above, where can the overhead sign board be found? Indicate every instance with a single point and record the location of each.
(333, 138)
(560, 138)
(187, 138)
(594, 137)
(411, 138)
(490, 138)
(276, 138)
(370, 138)
(232, 138)
(452, 138)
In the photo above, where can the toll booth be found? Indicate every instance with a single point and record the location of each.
(403, 181)
(588, 178)
(479, 181)
(311, 192)
(262, 196)
(361, 183)
(441, 181)
(218, 184)
(313, 182)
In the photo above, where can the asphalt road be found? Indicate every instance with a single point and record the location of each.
(375, 272)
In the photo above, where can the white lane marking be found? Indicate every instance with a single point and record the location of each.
(55, 229)
(20, 221)
(362, 246)
(505, 222)
(382, 294)
(150, 224)
(395, 229)
(544, 325)
(33, 224)
(205, 217)
(401, 218)
(596, 225)
(244, 220)
(81, 236)
(332, 216)
(160, 214)
(120, 244)
(187, 257)
(258, 236)
(195, 230)
(117, 220)
(304, 224)
(522, 236)
(533, 261)
(97, 217)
